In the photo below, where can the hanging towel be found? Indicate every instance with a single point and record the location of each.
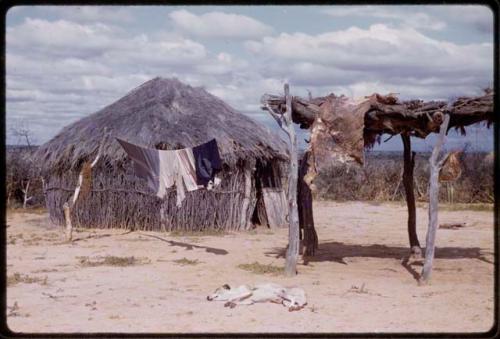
(187, 168)
(208, 162)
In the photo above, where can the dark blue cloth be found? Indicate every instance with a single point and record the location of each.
(207, 161)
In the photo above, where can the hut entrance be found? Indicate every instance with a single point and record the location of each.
(271, 208)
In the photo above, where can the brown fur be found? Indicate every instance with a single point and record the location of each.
(451, 169)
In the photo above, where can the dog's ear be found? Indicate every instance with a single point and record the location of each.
(226, 286)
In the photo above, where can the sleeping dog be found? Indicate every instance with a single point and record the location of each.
(294, 298)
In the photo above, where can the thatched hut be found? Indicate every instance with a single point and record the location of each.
(166, 114)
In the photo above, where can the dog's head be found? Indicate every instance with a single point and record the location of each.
(294, 304)
(294, 299)
(220, 293)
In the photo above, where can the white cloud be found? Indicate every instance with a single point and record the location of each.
(429, 17)
(59, 70)
(379, 54)
(409, 17)
(69, 69)
(61, 37)
(116, 14)
(219, 25)
(477, 17)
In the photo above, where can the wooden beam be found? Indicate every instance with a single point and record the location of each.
(392, 117)
(435, 166)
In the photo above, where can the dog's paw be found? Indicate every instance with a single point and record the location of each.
(295, 308)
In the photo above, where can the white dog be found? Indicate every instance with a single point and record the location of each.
(294, 298)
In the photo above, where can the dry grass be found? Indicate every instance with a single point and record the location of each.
(17, 278)
(46, 270)
(380, 180)
(111, 260)
(356, 289)
(258, 268)
(467, 207)
(29, 210)
(185, 261)
(204, 233)
(13, 238)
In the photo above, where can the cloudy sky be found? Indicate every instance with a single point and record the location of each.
(66, 62)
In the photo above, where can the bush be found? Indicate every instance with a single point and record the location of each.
(380, 179)
(20, 171)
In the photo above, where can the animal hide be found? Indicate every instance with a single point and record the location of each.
(337, 132)
(451, 169)
(337, 135)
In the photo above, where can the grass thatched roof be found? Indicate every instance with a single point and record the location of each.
(161, 111)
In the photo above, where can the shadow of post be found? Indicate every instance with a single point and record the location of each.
(213, 250)
(338, 251)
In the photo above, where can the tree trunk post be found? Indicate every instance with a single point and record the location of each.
(26, 196)
(285, 121)
(293, 230)
(69, 225)
(245, 217)
(305, 202)
(408, 183)
(70, 204)
(435, 166)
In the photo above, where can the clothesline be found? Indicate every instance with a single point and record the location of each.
(188, 169)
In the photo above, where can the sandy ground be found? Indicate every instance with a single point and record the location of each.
(356, 283)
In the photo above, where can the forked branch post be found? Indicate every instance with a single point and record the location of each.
(69, 205)
(435, 166)
(284, 120)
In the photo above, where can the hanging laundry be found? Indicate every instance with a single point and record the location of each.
(164, 169)
(159, 168)
(146, 163)
(187, 168)
(208, 162)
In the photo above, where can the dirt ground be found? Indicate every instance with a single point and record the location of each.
(356, 283)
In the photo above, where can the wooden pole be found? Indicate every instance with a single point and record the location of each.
(408, 182)
(69, 225)
(305, 207)
(25, 190)
(245, 217)
(293, 230)
(435, 166)
(285, 121)
(69, 205)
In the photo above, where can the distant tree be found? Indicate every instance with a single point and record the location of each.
(21, 170)
(22, 131)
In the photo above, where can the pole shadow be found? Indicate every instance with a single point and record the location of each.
(338, 251)
(213, 250)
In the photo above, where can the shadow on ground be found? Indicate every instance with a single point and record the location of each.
(338, 251)
(213, 250)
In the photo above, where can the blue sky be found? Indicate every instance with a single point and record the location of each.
(65, 62)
